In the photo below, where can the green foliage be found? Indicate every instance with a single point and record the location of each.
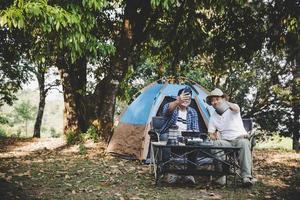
(17, 134)
(14, 71)
(165, 3)
(82, 149)
(168, 4)
(53, 133)
(197, 73)
(283, 25)
(92, 134)
(215, 33)
(94, 4)
(72, 137)
(137, 78)
(263, 93)
(206, 41)
(2, 133)
(59, 26)
(24, 111)
(3, 120)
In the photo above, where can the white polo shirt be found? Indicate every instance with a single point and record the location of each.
(229, 125)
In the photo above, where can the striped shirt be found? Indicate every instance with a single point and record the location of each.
(181, 120)
(171, 119)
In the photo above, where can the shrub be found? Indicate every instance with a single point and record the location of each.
(4, 120)
(53, 133)
(92, 134)
(2, 133)
(82, 149)
(18, 134)
(72, 137)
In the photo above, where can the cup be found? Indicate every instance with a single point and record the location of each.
(172, 138)
(222, 108)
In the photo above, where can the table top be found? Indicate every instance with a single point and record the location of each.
(182, 145)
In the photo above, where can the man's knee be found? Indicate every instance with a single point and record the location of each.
(163, 137)
(223, 143)
(217, 143)
(243, 143)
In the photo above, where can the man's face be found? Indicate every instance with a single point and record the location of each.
(216, 101)
(187, 102)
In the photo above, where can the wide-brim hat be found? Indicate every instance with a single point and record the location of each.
(215, 93)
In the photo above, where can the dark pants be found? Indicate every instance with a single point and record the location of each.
(166, 154)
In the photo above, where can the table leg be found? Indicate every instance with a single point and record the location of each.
(157, 166)
(151, 158)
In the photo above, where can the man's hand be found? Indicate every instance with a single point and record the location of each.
(232, 106)
(184, 97)
(215, 136)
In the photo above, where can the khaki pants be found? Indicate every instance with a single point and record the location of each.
(245, 157)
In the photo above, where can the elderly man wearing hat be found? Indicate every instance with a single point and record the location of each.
(226, 129)
(180, 115)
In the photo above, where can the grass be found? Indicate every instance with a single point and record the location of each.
(276, 142)
(66, 174)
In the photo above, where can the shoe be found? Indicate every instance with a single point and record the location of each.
(253, 180)
(171, 178)
(189, 179)
(247, 181)
(221, 180)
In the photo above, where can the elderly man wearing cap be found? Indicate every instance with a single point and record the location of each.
(179, 114)
(226, 129)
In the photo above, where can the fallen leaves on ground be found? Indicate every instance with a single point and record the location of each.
(65, 174)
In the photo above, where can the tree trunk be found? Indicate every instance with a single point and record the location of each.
(71, 121)
(296, 103)
(175, 42)
(107, 89)
(216, 81)
(136, 13)
(38, 122)
(106, 107)
(79, 81)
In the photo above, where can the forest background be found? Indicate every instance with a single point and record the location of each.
(99, 53)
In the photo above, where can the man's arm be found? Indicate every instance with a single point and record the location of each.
(195, 125)
(173, 105)
(179, 100)
(233, 107)
(212, 131)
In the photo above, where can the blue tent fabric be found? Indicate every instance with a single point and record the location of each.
(138, 111)
(130, 137)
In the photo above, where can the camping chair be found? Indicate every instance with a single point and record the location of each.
(156, 125)
(248, 125)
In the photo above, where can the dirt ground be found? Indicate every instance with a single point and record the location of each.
(49, 169)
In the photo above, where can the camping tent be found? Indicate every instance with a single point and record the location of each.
(130, 138)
